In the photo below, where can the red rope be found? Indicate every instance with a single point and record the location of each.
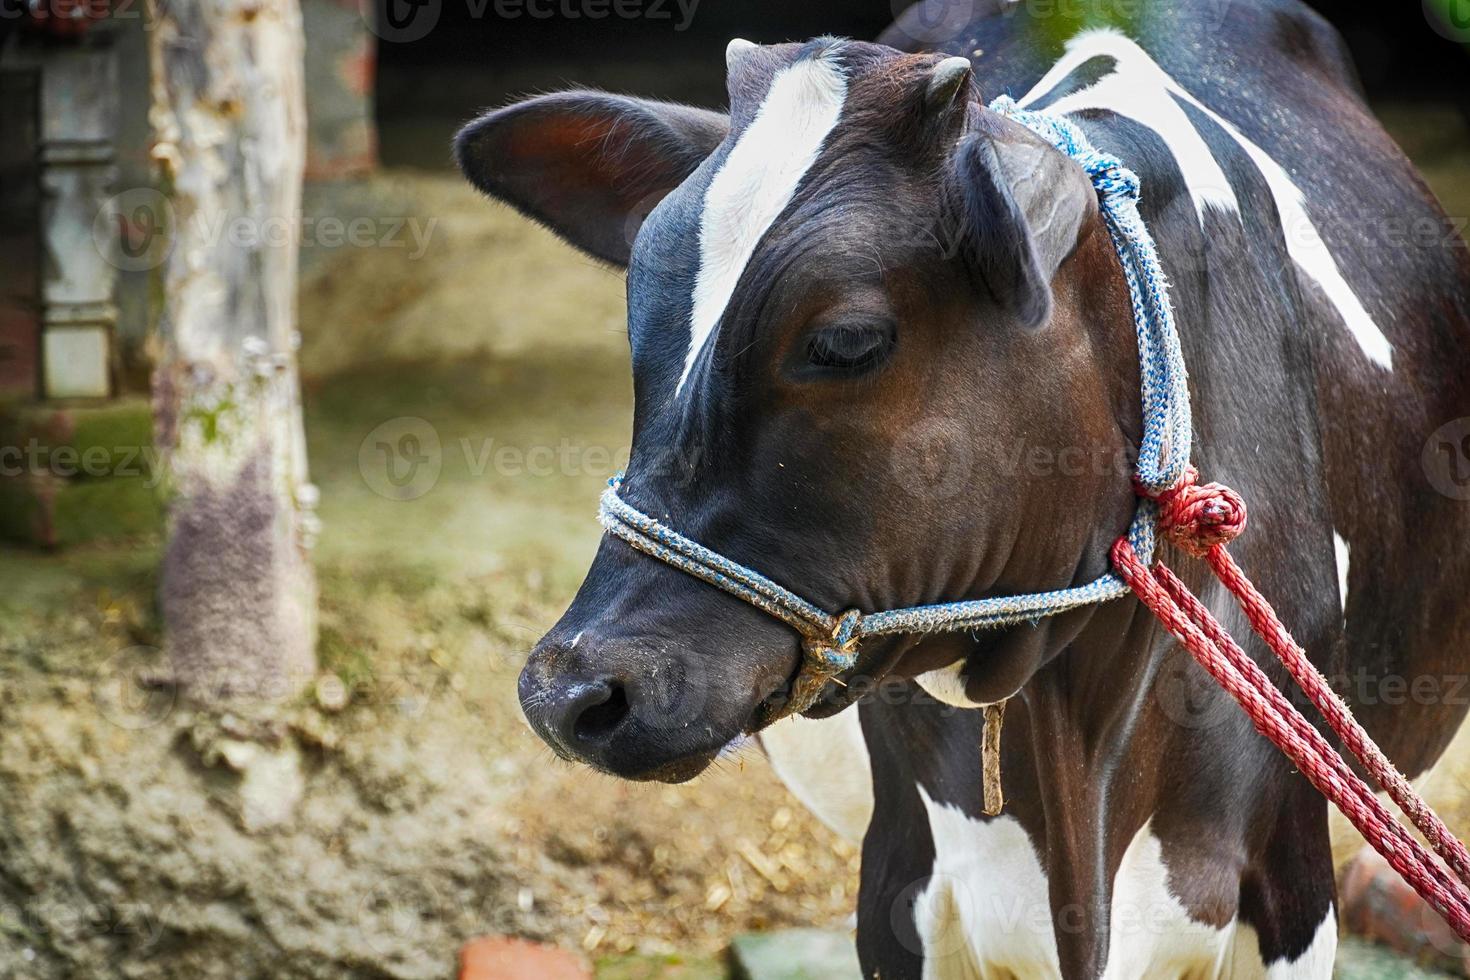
(1201, 519)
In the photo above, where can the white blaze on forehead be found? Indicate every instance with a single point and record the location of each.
(756, 182)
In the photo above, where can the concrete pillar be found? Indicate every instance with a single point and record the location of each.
(78, 167)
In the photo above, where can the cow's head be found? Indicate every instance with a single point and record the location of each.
(880, 354)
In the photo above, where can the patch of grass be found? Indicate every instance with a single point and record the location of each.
(674, 967)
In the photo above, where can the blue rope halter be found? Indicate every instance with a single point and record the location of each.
(830, 641)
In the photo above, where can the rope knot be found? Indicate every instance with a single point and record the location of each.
(1198, 517)
(834, 654)
(824, 657)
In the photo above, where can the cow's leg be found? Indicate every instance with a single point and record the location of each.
(947, 892)
(894, 875)
(1287, 926)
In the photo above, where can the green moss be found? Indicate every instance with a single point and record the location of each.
(339, 655)
(115, 439)
(209, 419)
(93, 510)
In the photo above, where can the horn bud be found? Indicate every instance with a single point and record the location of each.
(737, 48)
(949, 77)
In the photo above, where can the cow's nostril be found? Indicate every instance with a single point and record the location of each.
(600, 719)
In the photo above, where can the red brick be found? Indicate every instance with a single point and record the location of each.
(1379, 905)
(505, 958)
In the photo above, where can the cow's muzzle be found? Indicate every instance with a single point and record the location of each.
(631, 709)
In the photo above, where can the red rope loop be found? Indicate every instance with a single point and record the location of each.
(1197, 516)
(1200, 519)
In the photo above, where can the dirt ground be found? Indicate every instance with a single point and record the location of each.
(130, 842)
(401, 807)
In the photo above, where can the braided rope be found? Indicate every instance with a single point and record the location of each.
(1163, 453)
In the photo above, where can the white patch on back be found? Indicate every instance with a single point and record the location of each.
(947, 685)
(1138, 89)
(756, 182)
(1342, 551)
(824, 763)
(1141, 90)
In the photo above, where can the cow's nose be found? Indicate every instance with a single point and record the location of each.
(578, 715)
(589, 712)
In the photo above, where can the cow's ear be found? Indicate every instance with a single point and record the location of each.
(1022, 208)
(590, 165)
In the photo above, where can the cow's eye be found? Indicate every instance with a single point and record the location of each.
(850, 348)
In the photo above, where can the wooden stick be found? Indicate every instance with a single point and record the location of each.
(990, 758)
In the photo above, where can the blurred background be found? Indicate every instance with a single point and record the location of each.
(425, 439)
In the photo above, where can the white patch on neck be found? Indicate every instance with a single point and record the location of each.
(756, 182)
(947, 685)
(1140, 90)
(1343, 552)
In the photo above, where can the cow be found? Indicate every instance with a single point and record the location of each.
(891, 328)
